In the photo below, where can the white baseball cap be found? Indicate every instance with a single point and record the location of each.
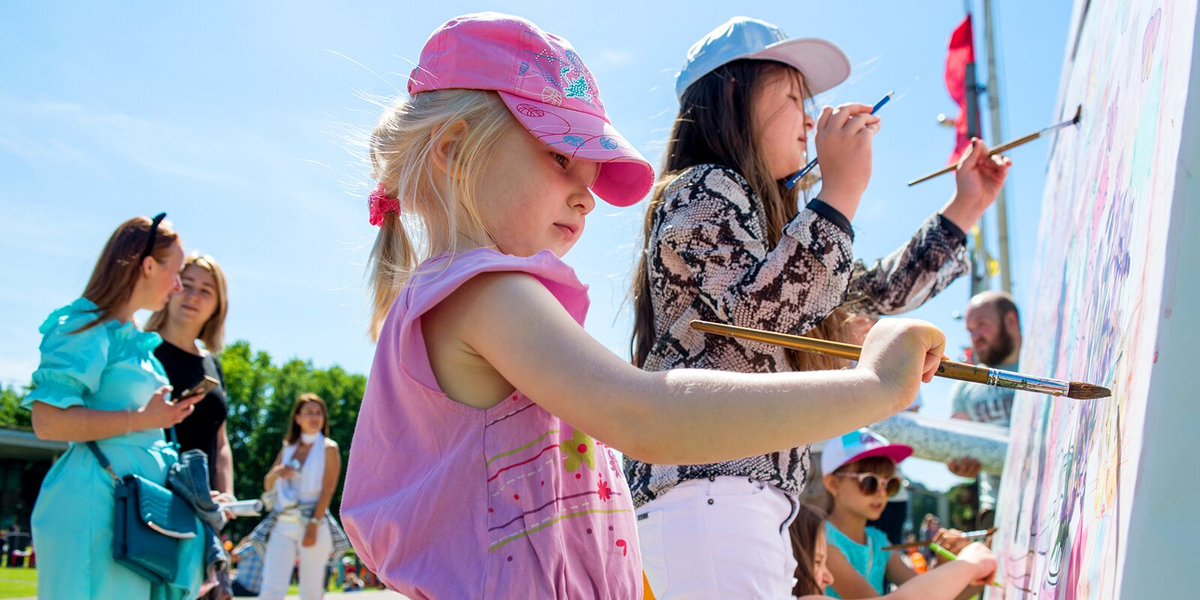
(858, 445)
(823, 64)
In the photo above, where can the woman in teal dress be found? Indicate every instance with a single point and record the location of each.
(98, 380)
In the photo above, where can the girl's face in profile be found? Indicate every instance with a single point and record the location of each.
(163, 279)
(780, 124)
(534, 198)
(821, 570)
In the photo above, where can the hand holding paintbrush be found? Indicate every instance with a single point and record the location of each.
(1009, 145)
(948, 368)
(969, 535)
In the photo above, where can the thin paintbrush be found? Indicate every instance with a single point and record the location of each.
(948, 555)
(948, 368)
(812, 164)
(1006, 146)
(982, 533)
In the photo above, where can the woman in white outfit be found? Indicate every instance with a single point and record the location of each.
(303, 478)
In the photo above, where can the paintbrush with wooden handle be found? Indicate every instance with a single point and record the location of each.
(949, 369)
(1006, 146)
(970, 535)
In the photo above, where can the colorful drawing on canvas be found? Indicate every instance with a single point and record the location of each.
(1067, 491)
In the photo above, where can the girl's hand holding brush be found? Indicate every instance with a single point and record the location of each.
(902, 353)
(979, 179)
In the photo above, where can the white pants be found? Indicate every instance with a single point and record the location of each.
(719, 538)
(282, 547)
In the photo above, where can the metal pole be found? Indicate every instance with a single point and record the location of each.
(979, 279)
(993, 91)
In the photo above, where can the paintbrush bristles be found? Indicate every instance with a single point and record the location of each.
(1087, 391)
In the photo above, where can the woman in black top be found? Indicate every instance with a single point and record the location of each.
(198, 313)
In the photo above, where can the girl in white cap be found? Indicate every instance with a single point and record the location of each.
(482, 464)
(725, 241)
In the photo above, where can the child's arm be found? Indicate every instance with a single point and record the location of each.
(976, 566)
(712, 235)
(518, 327)
(847, 581)
(714, 229)
(843, 140)
(898, 572)
(978, 182)
(935, 256)
(912, 274)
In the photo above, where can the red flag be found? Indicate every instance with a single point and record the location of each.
(962, 53)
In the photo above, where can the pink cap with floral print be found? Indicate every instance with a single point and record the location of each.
(546, 86)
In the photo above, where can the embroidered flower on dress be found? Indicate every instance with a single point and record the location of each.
(604, 490)
(579, 450)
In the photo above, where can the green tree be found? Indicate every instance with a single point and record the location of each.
(11, 413)
(260, 395)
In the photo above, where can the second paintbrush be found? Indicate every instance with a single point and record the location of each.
(970, 535)
(812, 164)
(948, 368)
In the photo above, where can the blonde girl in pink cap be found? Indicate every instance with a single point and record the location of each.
(483, 462)
(727, 240)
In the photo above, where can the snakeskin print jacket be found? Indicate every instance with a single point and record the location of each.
(709, 260)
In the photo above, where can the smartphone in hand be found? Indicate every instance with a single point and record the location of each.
(202, 387)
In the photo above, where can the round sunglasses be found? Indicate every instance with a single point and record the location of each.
(869, 483)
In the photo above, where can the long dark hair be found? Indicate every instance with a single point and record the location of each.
(715, 125)
(120, 265)
(804, 531)
(293, 432)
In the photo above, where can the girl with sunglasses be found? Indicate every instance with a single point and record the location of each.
(975, 564)
(860, 475)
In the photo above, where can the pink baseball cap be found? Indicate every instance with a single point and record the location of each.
(546, 86)
(857, 445)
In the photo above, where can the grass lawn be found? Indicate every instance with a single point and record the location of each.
(18, 582)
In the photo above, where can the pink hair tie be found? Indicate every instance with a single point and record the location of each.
(380, 204)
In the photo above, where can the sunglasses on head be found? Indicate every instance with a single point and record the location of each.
(149, 249)
(869, 483)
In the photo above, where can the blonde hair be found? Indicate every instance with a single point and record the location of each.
(437, 207)
(213, 332)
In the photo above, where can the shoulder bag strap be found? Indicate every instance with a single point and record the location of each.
(107, 466)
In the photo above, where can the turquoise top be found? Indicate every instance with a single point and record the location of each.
(869, 559)
(108, 367)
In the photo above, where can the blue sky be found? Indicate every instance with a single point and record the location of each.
(244, 122)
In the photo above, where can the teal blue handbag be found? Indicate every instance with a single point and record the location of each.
(149, 521)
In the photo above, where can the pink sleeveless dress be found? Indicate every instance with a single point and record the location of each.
(443, 500)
